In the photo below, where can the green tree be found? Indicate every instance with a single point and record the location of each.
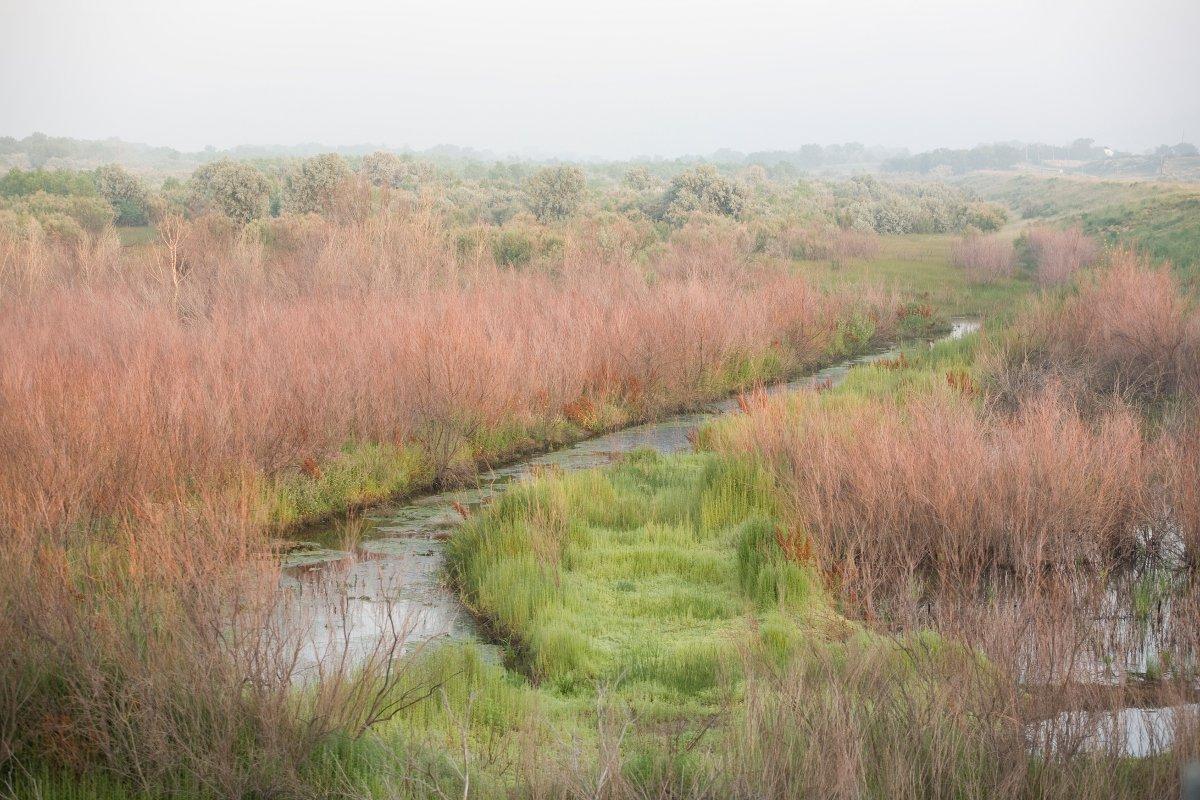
(20, 183)
(638, 179)
(382, 168)
(125, 193)
(313, 186)
(236, 189)
(701, 190)
(554, 193)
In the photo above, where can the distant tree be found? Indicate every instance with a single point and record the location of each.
(313, 186)
(811, 155)
(554, 192)
(755, 175)
(638, 179)
(382, 168)
(701, 189)
(19, 183)
(89, 214)
(1083, 149)
(236, 189)
(125, 193)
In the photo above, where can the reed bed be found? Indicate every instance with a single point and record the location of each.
(155, 402)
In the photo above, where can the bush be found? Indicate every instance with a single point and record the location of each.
(125, 193)
(701, 190)
(985, 259)
(91, 214)
(816, 242)
(554, 193)
(936, 483)
(513, 248)
(382, 168)
(235, 189)
(1129, 330)
(21, 183)
(986, 216)
(1058, 254)
(312, 187)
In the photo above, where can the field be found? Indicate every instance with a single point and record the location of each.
(921, 266)
(1163, 219)
(936, 574)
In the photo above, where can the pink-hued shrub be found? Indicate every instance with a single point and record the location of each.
(985, 259)
(1058, 253)
(1130, 329)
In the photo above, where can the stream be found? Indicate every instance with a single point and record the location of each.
(390, 581)
(388, 585)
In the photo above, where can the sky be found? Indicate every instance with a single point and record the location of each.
(612, 79)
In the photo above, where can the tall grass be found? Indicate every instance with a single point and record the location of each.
(1042, 538)
(1058, 253)
(886, 488)
(155, 402)
(985, 259)
(1128, 329)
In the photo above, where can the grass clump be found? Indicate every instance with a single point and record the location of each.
(649, 574)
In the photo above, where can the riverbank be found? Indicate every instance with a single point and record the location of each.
(296, 504)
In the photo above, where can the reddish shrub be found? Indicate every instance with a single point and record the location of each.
(1059, 253)
(985, 259)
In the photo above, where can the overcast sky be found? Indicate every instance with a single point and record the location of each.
(614, 78)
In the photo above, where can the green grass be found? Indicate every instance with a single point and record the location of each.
(1160, 217)
(919, 267)
(1167, 228)
(916, 373)
(650, 575)
(361, 474)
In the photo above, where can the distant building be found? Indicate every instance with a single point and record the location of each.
(1108, 152)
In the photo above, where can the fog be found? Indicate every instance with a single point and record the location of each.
(612, 79)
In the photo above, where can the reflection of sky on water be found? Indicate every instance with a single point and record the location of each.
(1130, 731)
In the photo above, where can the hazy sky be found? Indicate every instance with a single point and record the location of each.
(614, 78)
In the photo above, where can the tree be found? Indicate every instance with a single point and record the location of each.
(237, 190)
(554, 192)
(125, 193)
(1083, 149)
(702, 189)
(382, 168)
(19, 183)
(638, 179)
(313, 186)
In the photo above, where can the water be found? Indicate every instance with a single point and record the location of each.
(1136, 732)
(347, 602)
(389, 586)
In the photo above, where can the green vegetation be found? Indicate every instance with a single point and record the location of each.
(920, 267)
(649, 576)
(1161, 218)
(292, 339)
